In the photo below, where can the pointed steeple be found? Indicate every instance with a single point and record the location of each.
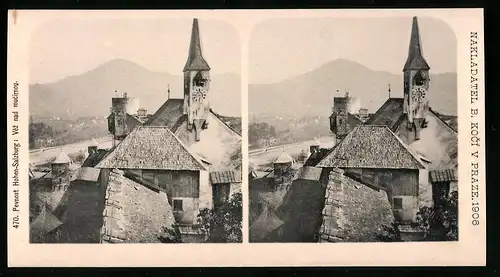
(195, 59)
(415, 59)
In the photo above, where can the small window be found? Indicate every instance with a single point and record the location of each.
(177, 205)
(398, 203)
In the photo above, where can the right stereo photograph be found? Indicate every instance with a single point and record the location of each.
(352, 130)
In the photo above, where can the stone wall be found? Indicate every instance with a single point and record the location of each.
(331, 229)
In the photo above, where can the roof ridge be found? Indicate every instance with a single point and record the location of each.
(227, 125)
(440, 119)
(193, 154)
(157, 112)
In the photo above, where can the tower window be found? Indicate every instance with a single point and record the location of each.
(199, 83)
(419, 78)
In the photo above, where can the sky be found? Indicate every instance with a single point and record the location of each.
(282, 48)
(69, 47)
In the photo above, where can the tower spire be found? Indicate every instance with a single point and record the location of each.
(195, 59)
(168, 91)
(389, 89)
(415, 59)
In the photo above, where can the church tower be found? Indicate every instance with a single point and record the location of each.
(416, 83)
(196, 85)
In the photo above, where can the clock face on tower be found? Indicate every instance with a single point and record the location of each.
(199, 94)
(418, 94)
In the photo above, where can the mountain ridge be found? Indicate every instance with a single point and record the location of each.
(91, 91)
(311, 93)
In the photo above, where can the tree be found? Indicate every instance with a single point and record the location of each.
(440, 222)
(260, 131)
(78, 157)
(225, 223)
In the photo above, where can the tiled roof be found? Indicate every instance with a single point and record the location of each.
(169, 115)
(389, 114)
(224, 177)
(90, 174)
(444, 175)
(44, 223)
(354, 212)
(152, 148)
(62, 158)
(371, 147)
(195, 59)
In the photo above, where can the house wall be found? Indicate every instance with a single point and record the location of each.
(191, 187)
(424, 189)
(438, 142)
(205, 190)
(189, 212)
(218, 143)
(399, 183)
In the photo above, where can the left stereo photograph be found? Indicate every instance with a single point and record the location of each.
(131, 136)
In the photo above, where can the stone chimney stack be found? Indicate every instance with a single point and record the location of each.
(92, 148)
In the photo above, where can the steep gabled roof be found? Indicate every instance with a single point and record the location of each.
(167, 115)
(284, 158)
(195, 59)
(389, 114)
(415, 59)
(371, 147)
(149, 147)
(62, 158)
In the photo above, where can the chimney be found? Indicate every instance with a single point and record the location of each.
(91, 149)
(363, 113)
(125, 95)
(142, 112)
(313, 148)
